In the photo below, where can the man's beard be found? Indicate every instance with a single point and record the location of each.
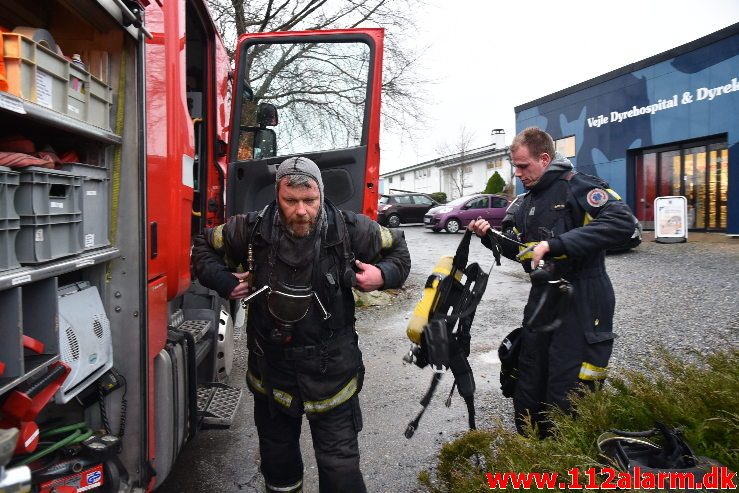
(301, 231)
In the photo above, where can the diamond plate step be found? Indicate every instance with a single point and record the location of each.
(198, 328)
(217, 404)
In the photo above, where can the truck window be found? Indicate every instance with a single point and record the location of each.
(319, 90)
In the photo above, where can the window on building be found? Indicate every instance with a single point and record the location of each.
(566, 146)
(389, 179)
(496, 163)
(402, 177)
(422, 173)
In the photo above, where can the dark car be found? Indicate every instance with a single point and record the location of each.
(403, 208)
(458, 213)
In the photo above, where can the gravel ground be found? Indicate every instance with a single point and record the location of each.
(680, 296)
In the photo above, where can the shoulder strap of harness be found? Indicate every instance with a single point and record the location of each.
(250, 249)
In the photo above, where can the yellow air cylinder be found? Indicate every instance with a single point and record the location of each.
(420, 316)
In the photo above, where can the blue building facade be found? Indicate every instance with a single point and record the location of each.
(668, 125)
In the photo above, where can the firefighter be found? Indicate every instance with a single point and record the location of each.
(570, 219)
(301, 257)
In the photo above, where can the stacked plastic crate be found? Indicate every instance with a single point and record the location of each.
(9, 220)
(49, 203)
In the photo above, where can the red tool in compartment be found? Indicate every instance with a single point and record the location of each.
(33, 344)
(21, 407)
(28, 343)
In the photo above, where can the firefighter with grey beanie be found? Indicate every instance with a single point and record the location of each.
(295, 263)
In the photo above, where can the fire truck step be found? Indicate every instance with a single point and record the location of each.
(198, 328)
(217, 404)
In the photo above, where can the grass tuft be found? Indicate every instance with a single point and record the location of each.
(701, 397)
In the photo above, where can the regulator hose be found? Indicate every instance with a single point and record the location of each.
(75, 433)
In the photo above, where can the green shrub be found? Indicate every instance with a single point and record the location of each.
(440, 197)
(496, 184)
(701, 398)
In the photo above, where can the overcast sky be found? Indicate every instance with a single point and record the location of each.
(487, 56)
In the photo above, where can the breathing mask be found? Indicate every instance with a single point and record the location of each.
(287, 305)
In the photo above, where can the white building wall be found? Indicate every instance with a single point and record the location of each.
(434, 176)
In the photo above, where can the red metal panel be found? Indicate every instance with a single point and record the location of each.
(175, 242)
(372, 169)
(156, 142)
(169, 142)
(219, 105)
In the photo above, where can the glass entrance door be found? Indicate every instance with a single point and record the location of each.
(646, 188)
(698, 172)
(718, 186)
(694, 184)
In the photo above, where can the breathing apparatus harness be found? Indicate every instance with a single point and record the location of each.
(287, 304)
(444, 341)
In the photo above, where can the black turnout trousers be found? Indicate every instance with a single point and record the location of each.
(550, 363)
(334, 435)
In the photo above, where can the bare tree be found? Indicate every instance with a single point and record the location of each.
(285, 83)
(456, 155)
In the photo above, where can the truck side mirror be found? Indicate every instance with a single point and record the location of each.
(265, 143)
(266, 115)
(256, 143)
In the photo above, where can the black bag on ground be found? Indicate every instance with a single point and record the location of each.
(508, 353)
(661, 449)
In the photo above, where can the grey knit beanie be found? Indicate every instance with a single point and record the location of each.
(300, 166)
(304, 167)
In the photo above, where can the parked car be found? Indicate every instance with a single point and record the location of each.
(458, 213)
(403, 208)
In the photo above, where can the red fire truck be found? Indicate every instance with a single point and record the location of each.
(124, 131)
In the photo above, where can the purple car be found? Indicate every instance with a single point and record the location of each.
(458, 213)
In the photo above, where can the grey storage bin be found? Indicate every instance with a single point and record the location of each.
(36, 73)
(95, 203)
(9, 222)
(8, 185)
(45, 191)
(40, 75)
(45, 238)
(100, 104)
(9, 229)
(77, 92)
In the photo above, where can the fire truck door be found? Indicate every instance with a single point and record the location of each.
(314, 94)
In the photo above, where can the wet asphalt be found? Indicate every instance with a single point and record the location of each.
(681, 296)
